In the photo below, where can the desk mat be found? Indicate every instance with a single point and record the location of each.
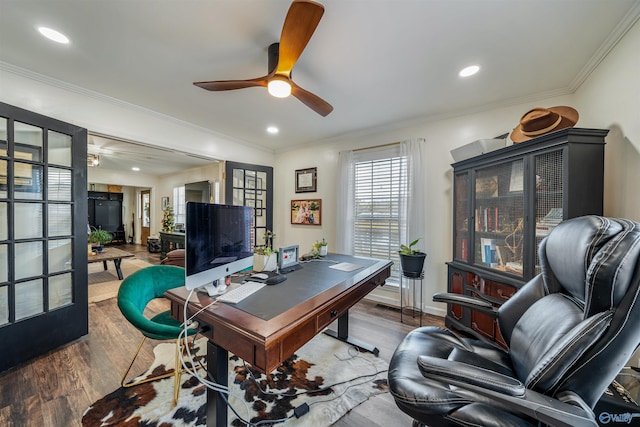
(312, 279)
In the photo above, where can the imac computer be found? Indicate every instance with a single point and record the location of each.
(217, 244)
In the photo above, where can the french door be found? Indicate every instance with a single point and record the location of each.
(252, 185)
(43, 234)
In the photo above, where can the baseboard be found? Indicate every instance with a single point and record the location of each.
(390, 298)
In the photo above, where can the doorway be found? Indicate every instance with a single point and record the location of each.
(145, 220)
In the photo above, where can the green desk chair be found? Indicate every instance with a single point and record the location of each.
(136, 291)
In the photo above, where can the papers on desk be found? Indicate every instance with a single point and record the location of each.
(346, 266)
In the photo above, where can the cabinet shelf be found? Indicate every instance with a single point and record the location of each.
(506, 202)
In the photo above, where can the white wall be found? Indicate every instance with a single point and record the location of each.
(608, 99)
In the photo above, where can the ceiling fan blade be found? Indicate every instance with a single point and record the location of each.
(218, 85)
(312, 101)
(301, 21)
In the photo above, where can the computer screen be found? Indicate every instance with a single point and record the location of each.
(217, 242)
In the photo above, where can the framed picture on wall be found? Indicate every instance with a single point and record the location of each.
(306, 180)
(165, 203)
(306, 212)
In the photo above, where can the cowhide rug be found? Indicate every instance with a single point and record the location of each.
(322, 362)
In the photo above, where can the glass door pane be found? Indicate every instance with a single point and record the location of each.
(250, 185)
(461, 227)
(499, 217)
(549, 196)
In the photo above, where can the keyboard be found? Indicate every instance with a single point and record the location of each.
(236, 295)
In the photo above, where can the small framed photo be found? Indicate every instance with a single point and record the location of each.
(165, 203)
(306, 212)
(288, 258)
(306, 180)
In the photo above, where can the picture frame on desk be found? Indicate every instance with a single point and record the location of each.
(306, 212)
(306, 180)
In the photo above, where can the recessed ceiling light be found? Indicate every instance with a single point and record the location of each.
(54, 35)
(469, 71)
(273, 130)
(135, 169)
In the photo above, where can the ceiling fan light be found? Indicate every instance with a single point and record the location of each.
(93, 160)
(279, 88)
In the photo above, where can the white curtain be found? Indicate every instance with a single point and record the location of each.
(414, 197)
(414, 215)
(344, 217)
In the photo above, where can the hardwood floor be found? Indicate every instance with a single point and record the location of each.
(55, 389)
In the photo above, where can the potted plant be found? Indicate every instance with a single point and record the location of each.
(265, 259)
(98, 238)
(319, 248)
(411, 260)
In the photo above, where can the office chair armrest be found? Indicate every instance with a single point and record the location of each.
(445, 370)
(467, 301)
(484, 386)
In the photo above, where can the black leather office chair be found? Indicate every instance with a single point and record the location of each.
(569, 331)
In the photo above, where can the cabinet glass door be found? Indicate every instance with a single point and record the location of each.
(549, 196)
(461, 227)
(498, 217)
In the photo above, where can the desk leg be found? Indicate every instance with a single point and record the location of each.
(218, 367)
(116, 262)
(343, 335)
(104, 264)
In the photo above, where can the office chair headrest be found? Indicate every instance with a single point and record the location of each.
(614, 269)
(566, 254)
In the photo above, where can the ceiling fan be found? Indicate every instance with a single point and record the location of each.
(300, 23)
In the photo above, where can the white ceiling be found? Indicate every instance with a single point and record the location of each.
(380, 63)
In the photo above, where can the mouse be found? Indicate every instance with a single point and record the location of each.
(261, 276)
(276, 279)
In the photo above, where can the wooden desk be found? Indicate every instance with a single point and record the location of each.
(266, 341)
(110, 254)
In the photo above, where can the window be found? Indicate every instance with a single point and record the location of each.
(380, 182)
(179, 205)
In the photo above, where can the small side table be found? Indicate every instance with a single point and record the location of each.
(413, 283)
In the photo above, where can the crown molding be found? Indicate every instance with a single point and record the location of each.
(611, 41)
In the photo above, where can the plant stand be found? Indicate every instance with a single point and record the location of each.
(413, 283)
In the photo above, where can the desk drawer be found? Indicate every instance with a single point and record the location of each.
(340, 307)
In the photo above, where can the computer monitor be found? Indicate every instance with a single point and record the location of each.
(217, 242)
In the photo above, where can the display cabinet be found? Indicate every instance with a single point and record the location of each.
(505, 203)
(105, 212)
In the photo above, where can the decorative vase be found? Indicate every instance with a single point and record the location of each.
(323, 250)
(265, 262)
(412, 264)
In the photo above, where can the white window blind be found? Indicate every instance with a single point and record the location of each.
(379, 186)
(179, 206)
